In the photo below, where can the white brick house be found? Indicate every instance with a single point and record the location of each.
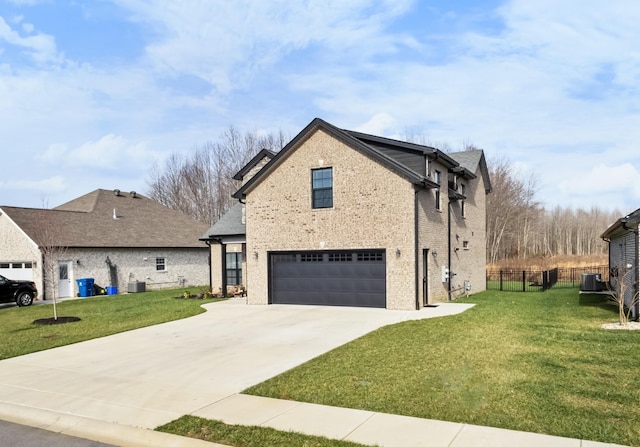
(344, 218)
(114, 237)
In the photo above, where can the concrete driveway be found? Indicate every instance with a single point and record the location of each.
(150, 376)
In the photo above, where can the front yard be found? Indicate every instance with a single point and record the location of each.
(535, 362)
(99, 316)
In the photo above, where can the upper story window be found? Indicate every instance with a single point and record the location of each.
(463, 191)
(436, 179)
(322, 188)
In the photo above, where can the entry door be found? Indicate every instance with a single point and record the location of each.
(425, 277)
(64, 279)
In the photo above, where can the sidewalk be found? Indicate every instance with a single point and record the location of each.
(365, 427)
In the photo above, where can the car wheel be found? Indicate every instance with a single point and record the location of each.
(24, 299)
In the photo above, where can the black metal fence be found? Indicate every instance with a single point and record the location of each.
(515, 280)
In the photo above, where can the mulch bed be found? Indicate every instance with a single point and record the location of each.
(59, 320)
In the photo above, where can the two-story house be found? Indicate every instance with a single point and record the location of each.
(344, 218)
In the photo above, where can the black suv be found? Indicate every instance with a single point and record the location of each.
(20, 292)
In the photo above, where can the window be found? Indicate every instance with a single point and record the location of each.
(322, 188)
(436, 178)
(340, 257)
(465, 245)
(234, 269)
(311, 257)
(462, 192)
(369, 257)
(161, 264)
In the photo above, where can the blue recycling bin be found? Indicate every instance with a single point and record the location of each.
(85, 287)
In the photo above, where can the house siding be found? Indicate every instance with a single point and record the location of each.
(373, 208)
(15, 245)
(133, 264)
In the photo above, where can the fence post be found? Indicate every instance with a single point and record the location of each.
(500, 280)
(524, 283)
(545, 280)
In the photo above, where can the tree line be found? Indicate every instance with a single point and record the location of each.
(200, 184)
(519, 227)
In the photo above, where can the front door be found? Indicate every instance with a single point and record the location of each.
(425, 277)
(64, 279)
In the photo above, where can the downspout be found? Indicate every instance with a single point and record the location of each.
(223, 254)
(449, 249)
(416, 246)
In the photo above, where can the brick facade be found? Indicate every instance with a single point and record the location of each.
(373, 208)
(384, 198)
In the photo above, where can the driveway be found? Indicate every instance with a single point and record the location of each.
(150, 376)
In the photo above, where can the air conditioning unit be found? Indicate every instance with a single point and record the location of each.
(591, 282)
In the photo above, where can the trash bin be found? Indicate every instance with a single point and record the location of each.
(111, 290)
(85, 287)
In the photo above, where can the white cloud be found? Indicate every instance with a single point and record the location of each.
(41, 47)
(107, 153)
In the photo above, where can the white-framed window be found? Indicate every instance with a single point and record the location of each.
(161, 264)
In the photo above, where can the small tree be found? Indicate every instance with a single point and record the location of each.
(624, 291)
(49, 238)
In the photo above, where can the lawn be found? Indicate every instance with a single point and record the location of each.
(99, 316)
(535, 362)
(247, 436)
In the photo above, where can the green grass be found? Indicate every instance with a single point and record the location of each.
(246, 436)
(100, 316)
(536, 362)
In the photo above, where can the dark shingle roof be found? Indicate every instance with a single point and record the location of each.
(353, 139)
(230, 224)
(88, 221)
(471, 161)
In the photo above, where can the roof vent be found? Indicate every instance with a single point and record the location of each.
(134, 194)
(116, 192)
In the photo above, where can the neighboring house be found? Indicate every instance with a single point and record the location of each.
(624, 258)
(344, 218)
(114, 237)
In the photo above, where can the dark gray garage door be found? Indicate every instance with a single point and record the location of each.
(332, 278)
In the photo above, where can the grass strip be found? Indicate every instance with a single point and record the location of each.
(246, 436)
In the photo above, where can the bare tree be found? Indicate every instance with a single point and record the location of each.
(511, 211)
(50, 241)
(624, 291)
(201, 184)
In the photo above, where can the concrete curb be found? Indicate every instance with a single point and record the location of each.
(95, 430)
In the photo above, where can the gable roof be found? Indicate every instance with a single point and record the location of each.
(471, 161)
(356, 141)
(622, 226)
(253, 162)
(88, 221)
(230, 224)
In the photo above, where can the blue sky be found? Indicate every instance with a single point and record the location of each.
(94, 92)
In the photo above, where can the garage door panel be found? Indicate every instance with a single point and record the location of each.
(347, 278)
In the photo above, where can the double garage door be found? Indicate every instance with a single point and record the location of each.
(331, 278)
